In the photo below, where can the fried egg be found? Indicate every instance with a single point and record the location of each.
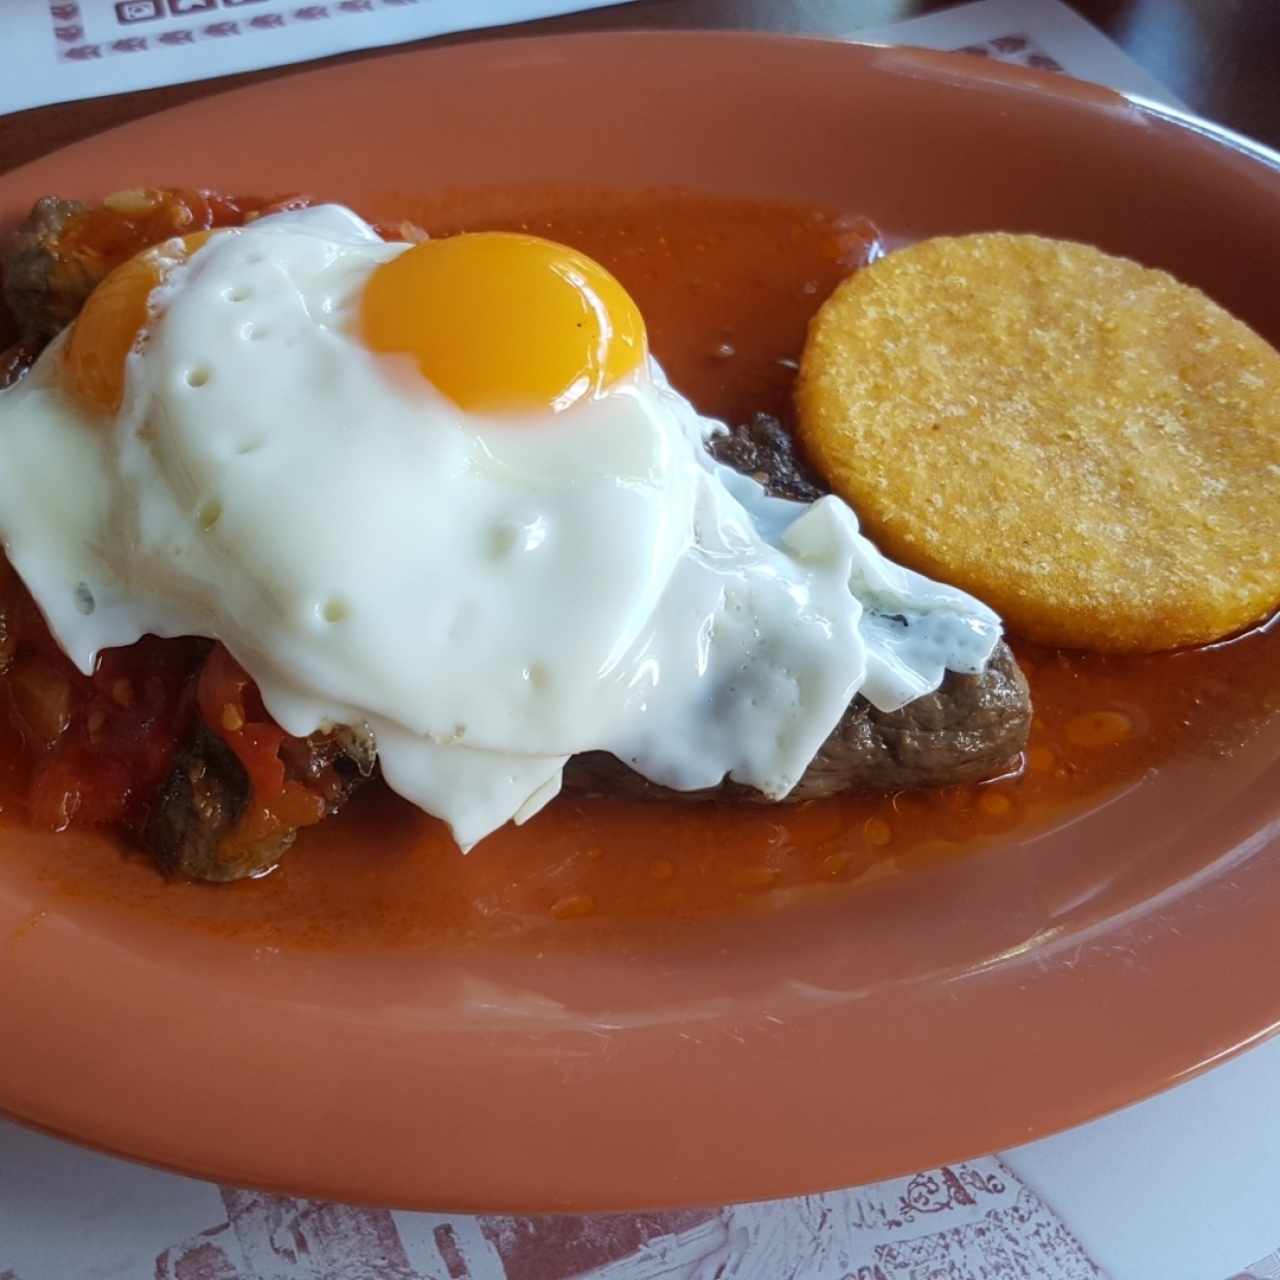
(444, 489)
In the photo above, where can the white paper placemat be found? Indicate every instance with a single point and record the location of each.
(1185, 1186)
(60, 50)
(1033, 33)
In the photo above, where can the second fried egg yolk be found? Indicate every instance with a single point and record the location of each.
(504, 323)
(111, 321)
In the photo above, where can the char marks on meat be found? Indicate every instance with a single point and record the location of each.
(766, 451)
(44, 285)
(197, 808)
(191, 829)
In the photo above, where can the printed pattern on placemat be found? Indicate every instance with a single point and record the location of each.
(1267, 1269)
(1017, 48)
(275, 1236)
(203, 20)
(972, 1221)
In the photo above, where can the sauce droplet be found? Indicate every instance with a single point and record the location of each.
(995, 805)
(834, 863)
(754, 877)
(876, 831)
(1099, 728)
(576, 906)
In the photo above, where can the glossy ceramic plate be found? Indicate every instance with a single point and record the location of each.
(925, 1017)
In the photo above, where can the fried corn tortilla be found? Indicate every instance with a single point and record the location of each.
(1087, 444)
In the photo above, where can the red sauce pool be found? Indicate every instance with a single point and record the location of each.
(727, 289)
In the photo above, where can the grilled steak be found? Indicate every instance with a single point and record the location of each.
(44, 286)
(198, 806)
(192, 825)
(972, 727)
(764, 450)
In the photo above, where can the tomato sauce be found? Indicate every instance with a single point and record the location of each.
(727, 288)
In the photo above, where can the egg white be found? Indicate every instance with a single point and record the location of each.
(491, 595)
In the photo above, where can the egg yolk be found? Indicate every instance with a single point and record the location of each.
(502, 322)
(112, 320)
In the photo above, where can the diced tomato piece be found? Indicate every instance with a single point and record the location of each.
(130, 221)
(232, 708)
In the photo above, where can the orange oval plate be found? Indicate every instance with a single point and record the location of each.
(926, 1017)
